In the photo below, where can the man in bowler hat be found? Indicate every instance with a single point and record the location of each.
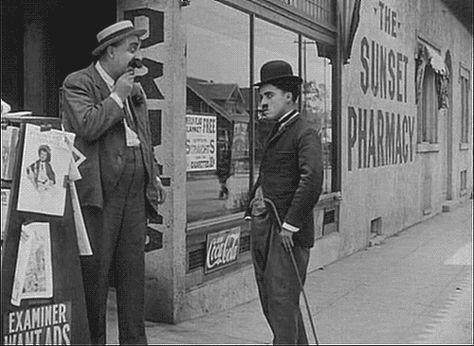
(282, 201)
(120, 186)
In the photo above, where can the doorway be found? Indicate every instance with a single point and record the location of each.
(53, 39)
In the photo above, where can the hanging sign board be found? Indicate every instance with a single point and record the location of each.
(201, 135)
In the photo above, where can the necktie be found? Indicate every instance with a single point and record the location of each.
(129, 116)
(130, 127)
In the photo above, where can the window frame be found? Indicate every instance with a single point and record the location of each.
(465, 84)
(428, 123)
(335, 60)
(196, 231)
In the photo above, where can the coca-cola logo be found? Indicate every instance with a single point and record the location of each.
(222, 248)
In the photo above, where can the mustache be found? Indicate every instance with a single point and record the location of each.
(260, 115)
(135, 63)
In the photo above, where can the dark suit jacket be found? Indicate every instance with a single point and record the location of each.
(88, 111)
(291, 175)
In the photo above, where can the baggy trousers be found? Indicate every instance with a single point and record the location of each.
(277, 282)
(117, 236)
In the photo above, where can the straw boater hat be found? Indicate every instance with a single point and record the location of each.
(114, 33)
(277, 70)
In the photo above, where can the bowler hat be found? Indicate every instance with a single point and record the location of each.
(115, 33)
(277, 70)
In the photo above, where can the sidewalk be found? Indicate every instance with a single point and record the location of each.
(414, 287)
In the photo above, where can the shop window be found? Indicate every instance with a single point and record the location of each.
(428, 109)
(464, 109)
(316, 100)
(219, 94)
(463, 181)
(271, 43)
(217, 112)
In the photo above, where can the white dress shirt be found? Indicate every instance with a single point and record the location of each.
(130, 135)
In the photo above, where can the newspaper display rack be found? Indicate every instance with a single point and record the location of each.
(42, 293)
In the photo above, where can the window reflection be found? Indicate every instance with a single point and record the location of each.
(316, 100)
(217, 88)
(218, 99)
(271, 43)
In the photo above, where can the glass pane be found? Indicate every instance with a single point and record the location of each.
(217, 112)
(271, 43)
(432, 108)
(464, 110)
(316, 100)
(427, 109)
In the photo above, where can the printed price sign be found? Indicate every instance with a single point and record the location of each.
(222, 249)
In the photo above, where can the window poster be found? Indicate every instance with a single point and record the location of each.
(201, 134)
(45, 164)
(33, 274)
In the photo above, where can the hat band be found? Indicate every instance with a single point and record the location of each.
(115, 34)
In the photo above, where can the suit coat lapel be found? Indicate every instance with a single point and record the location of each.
(278, 133)
(282, 129)
(99, 82)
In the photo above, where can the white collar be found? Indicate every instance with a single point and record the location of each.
(105, 76)
(287, 117)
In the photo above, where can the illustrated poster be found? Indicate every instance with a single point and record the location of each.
(46, 162)
(33, 274)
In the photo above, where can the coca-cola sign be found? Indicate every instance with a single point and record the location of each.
(222, 249)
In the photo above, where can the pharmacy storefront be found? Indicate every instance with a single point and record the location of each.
(203, 56)
(388, 89)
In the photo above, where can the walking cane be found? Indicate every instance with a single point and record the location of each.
(293, 260)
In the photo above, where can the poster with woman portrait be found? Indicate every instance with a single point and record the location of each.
(45, 164)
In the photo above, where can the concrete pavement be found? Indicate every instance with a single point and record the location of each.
(414, 287)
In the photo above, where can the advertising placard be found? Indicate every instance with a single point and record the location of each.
(46, 159)
(222, 249)
(33, 274)
(38, 325)
(201, 135)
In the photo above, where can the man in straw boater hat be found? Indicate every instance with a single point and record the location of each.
(282, 201)
(120, 186)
